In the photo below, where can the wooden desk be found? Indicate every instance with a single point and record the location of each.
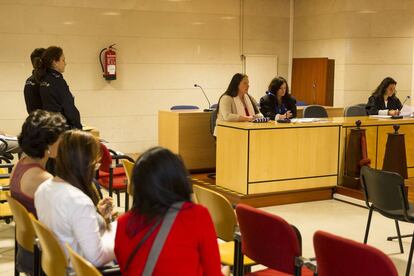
(332, 111)
(376, 134)
(270, 157)
(187, 133)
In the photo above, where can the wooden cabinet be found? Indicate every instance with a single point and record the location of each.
(313, 80)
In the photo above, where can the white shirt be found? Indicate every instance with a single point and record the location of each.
(72, 217)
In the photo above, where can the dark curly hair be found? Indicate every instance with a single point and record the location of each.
(40, 130)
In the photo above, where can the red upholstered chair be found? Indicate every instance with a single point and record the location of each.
(111, 174)
(270, 241)
(343, 257)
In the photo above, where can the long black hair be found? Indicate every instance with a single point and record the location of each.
(382, 87)
(275, 85)
(159, 179)
(53, 53)
(233, 88)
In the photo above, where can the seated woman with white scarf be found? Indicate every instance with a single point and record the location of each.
(236, 105)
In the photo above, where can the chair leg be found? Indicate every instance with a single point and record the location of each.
(118, 199)
(399, 236)
(16, 272)
(36, 261)
(126, 202)
(368, 225)
(410, 257)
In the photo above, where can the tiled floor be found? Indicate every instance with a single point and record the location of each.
(330, 215)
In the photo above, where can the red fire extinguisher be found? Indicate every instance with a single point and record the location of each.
(107, 58)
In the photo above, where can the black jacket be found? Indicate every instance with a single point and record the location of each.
(376, 103)
(269, 107)
(56, 97)
(31, 95)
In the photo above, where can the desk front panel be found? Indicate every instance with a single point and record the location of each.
(293, 153)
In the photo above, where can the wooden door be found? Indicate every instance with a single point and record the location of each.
(312, 80)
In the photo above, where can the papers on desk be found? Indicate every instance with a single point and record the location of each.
(407, 111)
(306, 120)
(380, 116)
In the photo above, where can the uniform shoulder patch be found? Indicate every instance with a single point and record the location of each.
(44, 84)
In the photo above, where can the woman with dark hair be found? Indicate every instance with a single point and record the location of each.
(384, 101)
(236, 104)
(278, 103)
(160, 181)
(39, 140)
(66, 203)
(53, 89)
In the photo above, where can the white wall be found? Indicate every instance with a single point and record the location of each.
(164, 47)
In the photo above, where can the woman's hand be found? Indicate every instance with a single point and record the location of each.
(246, 118)
(393, 112)
(288, 114)
(105, 207)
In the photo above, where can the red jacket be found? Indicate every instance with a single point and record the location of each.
(190, 248)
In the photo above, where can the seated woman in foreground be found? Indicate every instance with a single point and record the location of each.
(278, 103)
(39, 140)
(384, 101)
(66, 203)
(160, 182)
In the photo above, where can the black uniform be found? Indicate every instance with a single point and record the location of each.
(56, 97)
(269, 107)
(376, 103)
(31, 95)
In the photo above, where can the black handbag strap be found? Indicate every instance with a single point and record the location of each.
(158, 244)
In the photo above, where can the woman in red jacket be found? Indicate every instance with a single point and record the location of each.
(160, 180)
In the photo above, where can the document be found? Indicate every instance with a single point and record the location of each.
(407, 111)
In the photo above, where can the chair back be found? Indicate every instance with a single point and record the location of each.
(268, 239)
(180, 107)
(220, 209)
(385, 190)
(355, 110)
(342, 257)
(314, 111)
(25, 233)
(81, 266)
(54, 261)
(128, 167)
(213, 120)
(106, 159)
(300, 103)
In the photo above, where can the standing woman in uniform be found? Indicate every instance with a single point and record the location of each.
(54, 91)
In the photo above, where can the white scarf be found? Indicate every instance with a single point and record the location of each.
(240, 107)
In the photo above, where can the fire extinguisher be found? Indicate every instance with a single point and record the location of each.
(107, 58)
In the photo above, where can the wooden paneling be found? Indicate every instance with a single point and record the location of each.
(274, 153)
(291, 185)
(188, 134)
(406, 129)
(232, 158)
(313, 80)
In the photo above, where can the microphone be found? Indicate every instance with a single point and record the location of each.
(406, 99)
(204, 93)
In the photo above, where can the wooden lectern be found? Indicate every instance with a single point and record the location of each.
(395, 159)
(355, 157)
